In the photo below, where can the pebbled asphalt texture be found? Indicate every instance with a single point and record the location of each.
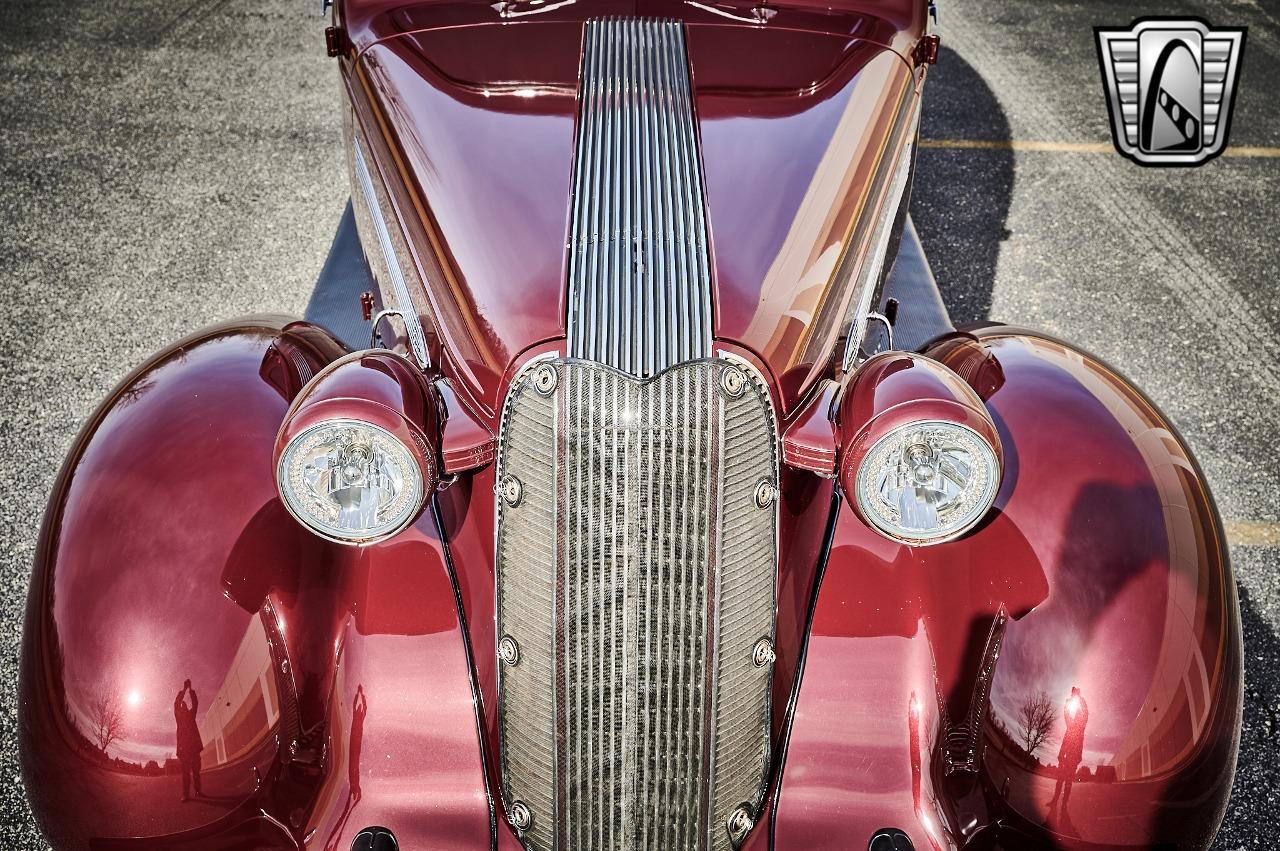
(165, 165)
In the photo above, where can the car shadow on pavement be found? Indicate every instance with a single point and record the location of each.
(1251, 812)
(960, 197)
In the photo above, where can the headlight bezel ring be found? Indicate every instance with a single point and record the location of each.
(979, 491)
(301, 501)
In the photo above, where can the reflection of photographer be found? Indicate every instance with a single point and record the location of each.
(1076, 714)
(189, 744)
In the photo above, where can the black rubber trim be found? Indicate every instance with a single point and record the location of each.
(375, 839)
(471, 671)
(824, 557)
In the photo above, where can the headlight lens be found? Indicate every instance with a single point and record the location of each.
(927, 482)
(350, 481)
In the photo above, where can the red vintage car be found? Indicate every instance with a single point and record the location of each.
(627, 487)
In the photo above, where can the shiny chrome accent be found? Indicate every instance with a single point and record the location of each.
(417, 339)
(512, 490)
(762, 654)
(374, 340)
(638, 577)
(520, 816)
(765, 493)
(962, 740)
(639, 271)
(739, 824)
(759, 14)
(508, 650)
(544, 379)
(873, 265)
(733, 382)
(888, 326)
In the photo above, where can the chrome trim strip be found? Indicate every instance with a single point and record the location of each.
(417, 340)
(639, 268)
(871, 269)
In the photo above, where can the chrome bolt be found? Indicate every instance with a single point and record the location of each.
(739, 824)
(520, 816)
(765, 493)
(733, 382)
(762, 653)
(545, 379)
(512, 490)
(508, 650)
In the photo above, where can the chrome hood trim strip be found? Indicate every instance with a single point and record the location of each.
(403, 304)
(639, 295)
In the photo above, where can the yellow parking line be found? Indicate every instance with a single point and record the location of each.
(1253, 533)
(1066, 147)
(1017, 145)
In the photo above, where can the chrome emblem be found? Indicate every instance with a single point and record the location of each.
(1170, 84)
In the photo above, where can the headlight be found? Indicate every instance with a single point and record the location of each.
(350, 481)
(927, 481)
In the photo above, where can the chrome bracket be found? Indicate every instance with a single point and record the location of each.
(374, 339)
(888, 326)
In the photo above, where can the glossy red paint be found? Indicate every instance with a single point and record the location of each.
(167, 556)
(796, 150)
(1106, 554)
(127, 597)
(466, 443)
(810, 441)
(402, 732)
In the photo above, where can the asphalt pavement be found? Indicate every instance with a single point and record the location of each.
(163, 166)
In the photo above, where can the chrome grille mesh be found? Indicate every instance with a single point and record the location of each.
(639, 274)
(636, 574)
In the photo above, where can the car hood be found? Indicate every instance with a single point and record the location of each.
(792, 123)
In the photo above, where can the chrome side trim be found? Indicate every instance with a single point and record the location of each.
(404, 305)
(639, 268)
(869, 273)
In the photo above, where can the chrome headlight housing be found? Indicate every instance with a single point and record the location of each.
(358, 452)
(927, 481)
(350, 481)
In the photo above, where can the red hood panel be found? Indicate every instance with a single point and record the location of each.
(484, 119)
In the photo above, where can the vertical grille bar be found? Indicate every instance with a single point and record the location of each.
(639, 272)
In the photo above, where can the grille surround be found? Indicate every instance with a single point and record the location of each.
(636, 572)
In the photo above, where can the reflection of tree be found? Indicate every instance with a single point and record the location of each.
(1035, 720)
(108, 720)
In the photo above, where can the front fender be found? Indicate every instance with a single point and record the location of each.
(166, 556)
(1102, 567)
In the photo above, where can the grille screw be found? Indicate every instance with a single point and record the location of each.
(512, 490)
(520, 816)
(765, 493)
(739, 824)
(733, 382)
(545, 379)
(762, 653)
(508, 650)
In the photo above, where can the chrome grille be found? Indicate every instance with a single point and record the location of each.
(639, 277)
(636, 574)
